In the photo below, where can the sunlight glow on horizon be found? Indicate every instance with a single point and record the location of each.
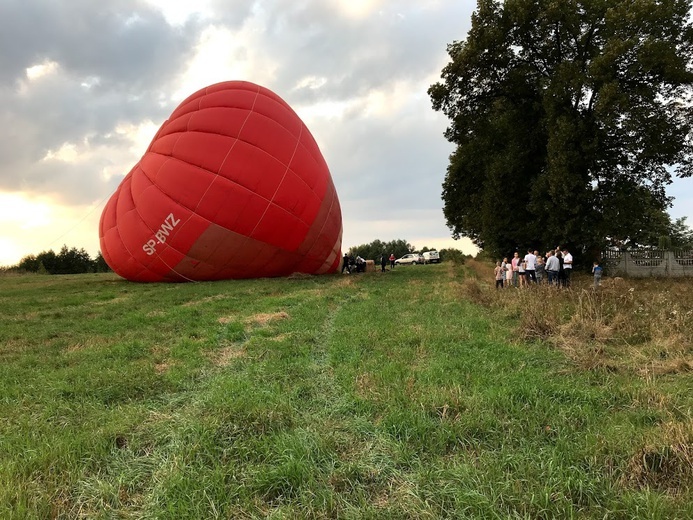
(30, 225)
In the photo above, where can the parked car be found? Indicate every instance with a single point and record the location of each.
(431, 257)
(411, 258)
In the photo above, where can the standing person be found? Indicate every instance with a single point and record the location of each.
(504, 266)
(561, 272)
(345, 264)
(530, 267)
(516, 268)
(567, 267)
(597, 271)
(392, 260)
(500, 274)
(508, 274)
(552, 268)
(383, 262)
(522, 273)
(540, 268)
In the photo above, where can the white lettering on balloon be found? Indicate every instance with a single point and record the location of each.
(161, 235)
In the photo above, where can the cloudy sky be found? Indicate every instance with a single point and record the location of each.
(85, 84)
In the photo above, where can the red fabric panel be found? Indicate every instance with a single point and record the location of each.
(267, 135)
(280, 229)
(175, 126)
(204, 150)
(222, 121)
(254, 169)
(296, 197)
(165, 144)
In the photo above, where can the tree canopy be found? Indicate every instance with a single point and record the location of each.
(570, 118)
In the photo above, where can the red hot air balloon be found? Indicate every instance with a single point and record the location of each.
(232, 186)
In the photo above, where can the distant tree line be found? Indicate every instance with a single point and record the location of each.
(399, 248)
(67, 261)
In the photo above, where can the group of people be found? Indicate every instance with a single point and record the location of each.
(555, 267)
(352, 264)
(358, 264)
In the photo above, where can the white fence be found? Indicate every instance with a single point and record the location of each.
(644, 263)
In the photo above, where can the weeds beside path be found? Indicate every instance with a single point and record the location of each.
(413, 393)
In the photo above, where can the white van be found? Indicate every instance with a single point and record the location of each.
(431, 257)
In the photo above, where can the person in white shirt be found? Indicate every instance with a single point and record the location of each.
(567, 266)
(530, 266)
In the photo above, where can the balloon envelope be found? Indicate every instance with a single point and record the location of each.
(233, 185)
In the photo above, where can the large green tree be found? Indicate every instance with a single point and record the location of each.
(570, 118)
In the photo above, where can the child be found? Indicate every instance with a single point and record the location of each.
(541, 269)
(522, 273)
(498, 271)
(597, 271)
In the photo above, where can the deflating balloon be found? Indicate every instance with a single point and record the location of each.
(233, 185)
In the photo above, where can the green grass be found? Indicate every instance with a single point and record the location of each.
(364, 396)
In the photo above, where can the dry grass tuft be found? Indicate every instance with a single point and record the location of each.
(366, 386)
(479, 269)
(263, 319)
(225, 356)
(471, 289)
(208, 299)
(665, 462)
(161, 368)
(299, 276)
(346, 281)
(538, 311)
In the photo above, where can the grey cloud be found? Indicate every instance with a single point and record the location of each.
(68, 183)
(126, 50)
(127, 43)
(58, 112)
(398, 162)
(312, 39)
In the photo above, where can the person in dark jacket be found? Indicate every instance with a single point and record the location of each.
(345, 264)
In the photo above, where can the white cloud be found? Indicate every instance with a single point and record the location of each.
(357, 9)
(66, 153)
(139, 135)
(42, 69)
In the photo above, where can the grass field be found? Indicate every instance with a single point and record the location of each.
(417, 393)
